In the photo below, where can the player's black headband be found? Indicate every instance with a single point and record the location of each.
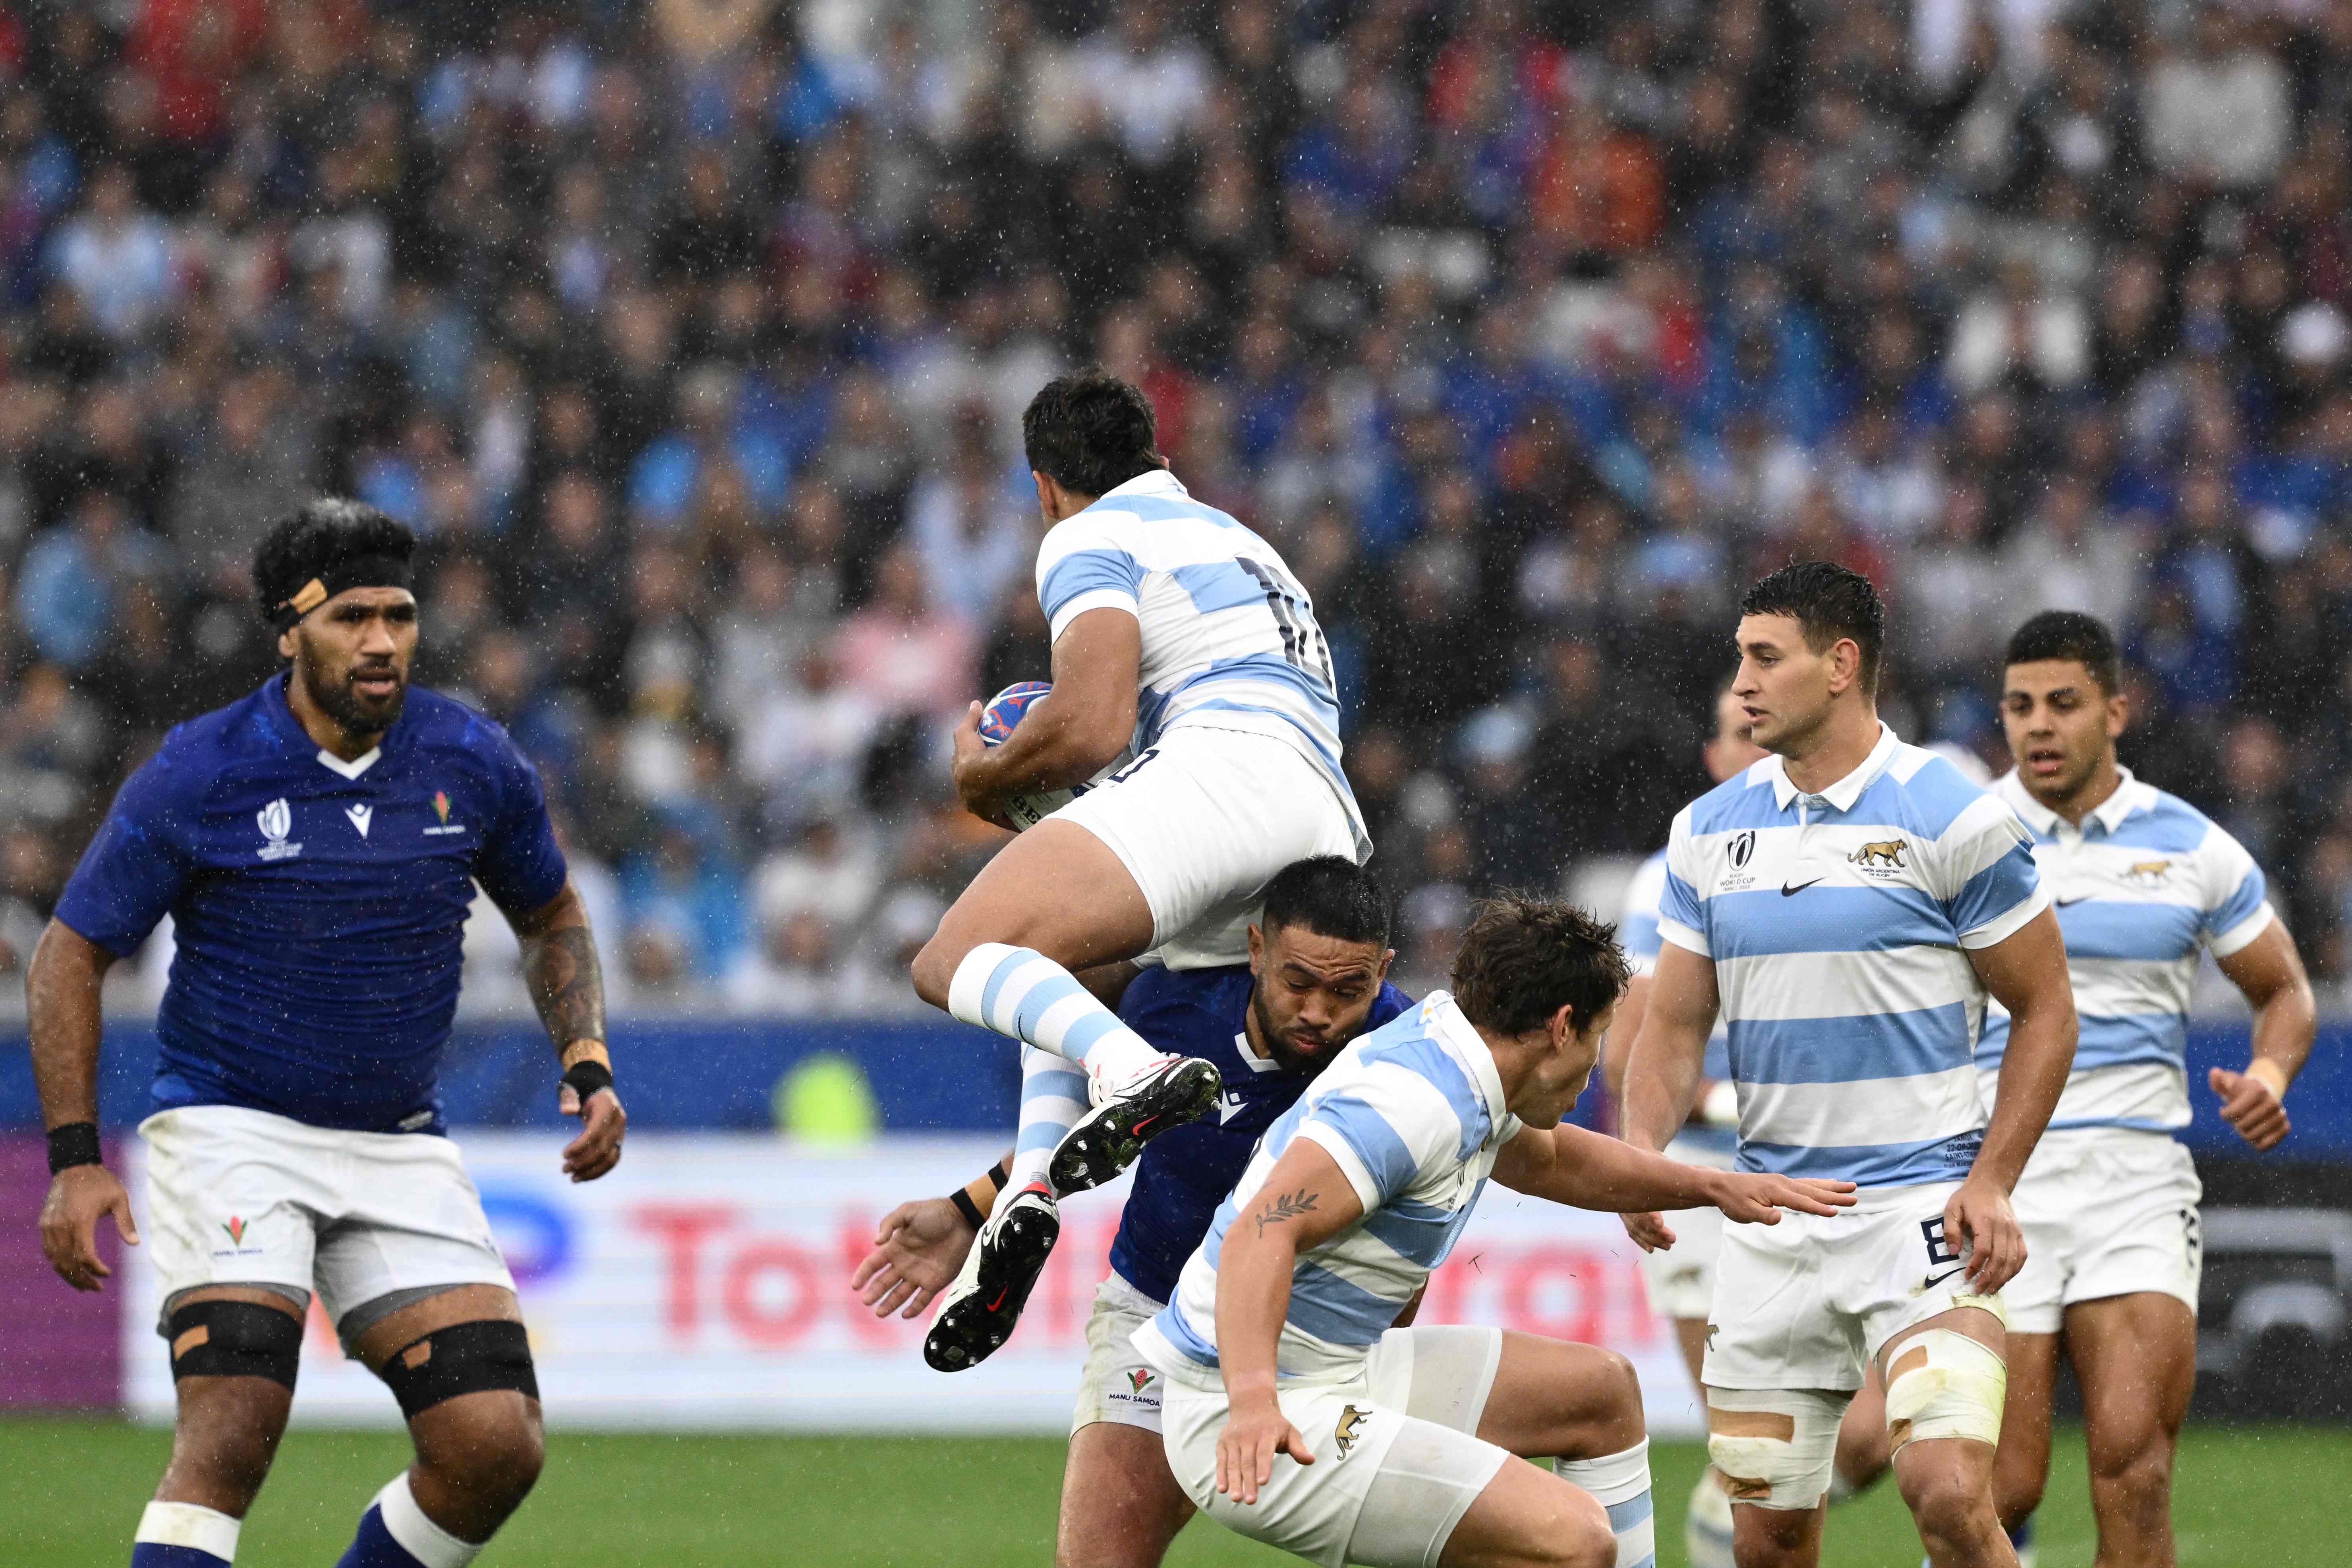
(352, 572)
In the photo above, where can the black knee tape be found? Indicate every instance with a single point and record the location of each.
(235, 1339)
(464, 1358)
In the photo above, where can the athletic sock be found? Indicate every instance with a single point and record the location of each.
(1021, 993)
(394, 1534)
(184, 1535)
(2021, 1538)
(1621, 1483)
(1053, 1098)
(1706, 1523)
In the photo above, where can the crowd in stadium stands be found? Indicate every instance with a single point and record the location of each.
(692, 335)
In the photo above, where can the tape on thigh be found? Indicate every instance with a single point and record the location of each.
(235, 1339)
(1945, 1384)
(464, 1358)
(1774, 1447)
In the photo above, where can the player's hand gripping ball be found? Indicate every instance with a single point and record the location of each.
(996, 721)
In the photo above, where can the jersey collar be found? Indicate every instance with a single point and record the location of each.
(1151, 482)
(1248, 1053)
(282, 713)
(1462, 1042)
(1842, 795)
(2131, 795)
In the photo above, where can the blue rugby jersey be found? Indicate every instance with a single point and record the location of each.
(1413, 1113)
(1839, 924)
(319, 906)
(1637, 933)
(2142, 885)
(1230, 640)
(1184, 1173)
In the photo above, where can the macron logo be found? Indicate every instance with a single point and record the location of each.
(1229, 1105)
(360, 817)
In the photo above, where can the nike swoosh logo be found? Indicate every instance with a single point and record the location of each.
(1931, 1283)
(2061, 903)
(1786, 890)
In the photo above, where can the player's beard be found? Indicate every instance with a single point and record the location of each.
(334, 697)
(1288, 1056)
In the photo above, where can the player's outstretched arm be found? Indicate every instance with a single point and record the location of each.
(1068, 735)
(1661, 1069)
(1589, 1170)
(2269, 972)
(2026, 972)
(1306, 1201)
(62, 999)
(567, 986)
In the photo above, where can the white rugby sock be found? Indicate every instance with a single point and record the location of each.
(1020, 991)
(1053, 1098)
(189, 1528)
(1706, 1523)
(1620, 1482)
(417, 1534)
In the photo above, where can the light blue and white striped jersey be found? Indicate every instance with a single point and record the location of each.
(1637, 933)
(2146, 881)
(1412, 1112)
(1230, 640)
(1839, 924)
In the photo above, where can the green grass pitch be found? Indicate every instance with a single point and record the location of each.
(2249, 1497)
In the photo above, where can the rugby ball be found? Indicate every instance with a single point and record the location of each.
(1006, 709)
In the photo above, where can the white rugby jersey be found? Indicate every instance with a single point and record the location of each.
(1230, 640)
(2140, 887)
(1838, 923)
(1637, 933)
(1412, 1112)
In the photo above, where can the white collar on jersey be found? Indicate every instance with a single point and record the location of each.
(1256, 1062)
(1847, 790)
(354, 768)
(1150, 482)
(2130, 795)
(1466, 1045)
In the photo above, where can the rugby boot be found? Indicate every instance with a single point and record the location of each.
(1106, 1141)
(978, 1311)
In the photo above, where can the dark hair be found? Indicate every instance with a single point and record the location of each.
(340, 543)
(1090, 431)
(1331, 896)
(1830, 602)
(2069, 634)
(1525, 958)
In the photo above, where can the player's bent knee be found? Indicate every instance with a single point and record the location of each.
(235, 1339)
(1774, 1447)
(1943, 1383)
(462, 1358)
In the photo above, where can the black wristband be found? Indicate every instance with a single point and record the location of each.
(586, 1077)
(74, 1143)
(1001, 1173)
(966, 1208)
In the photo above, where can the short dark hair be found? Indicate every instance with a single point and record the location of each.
(329, 539)
(2070, 634)
(1829, 602)
(1091, 432)
(1523, 958)
(1331, 896)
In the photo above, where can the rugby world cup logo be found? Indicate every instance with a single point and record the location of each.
(1743, 845)
(276, 820)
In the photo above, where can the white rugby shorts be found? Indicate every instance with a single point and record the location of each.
(1203, 821)
(1804, 1304)
(1117, 1383)
(1681, 1279)
(236, 1196)
(1397, 1459)
(2106, 1212)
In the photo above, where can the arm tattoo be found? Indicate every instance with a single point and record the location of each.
(1273, 1211)
(567, 985)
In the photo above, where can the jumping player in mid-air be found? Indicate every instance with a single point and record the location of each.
(2144, 883)
(317, 845)
(1846, 905)
(1180, 632)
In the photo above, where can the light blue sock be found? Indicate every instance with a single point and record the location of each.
(183, 1535)
(1053, 1098)
(1019, 991)
(395, 1533)
(1620, 1482)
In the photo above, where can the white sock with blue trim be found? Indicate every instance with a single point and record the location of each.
(1621, 1483)
(1053, 1098)
(1019, 991)
(184, 1535)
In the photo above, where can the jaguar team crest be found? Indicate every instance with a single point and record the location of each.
(2149, 873)
(1886, 854)
(1350, 1429)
